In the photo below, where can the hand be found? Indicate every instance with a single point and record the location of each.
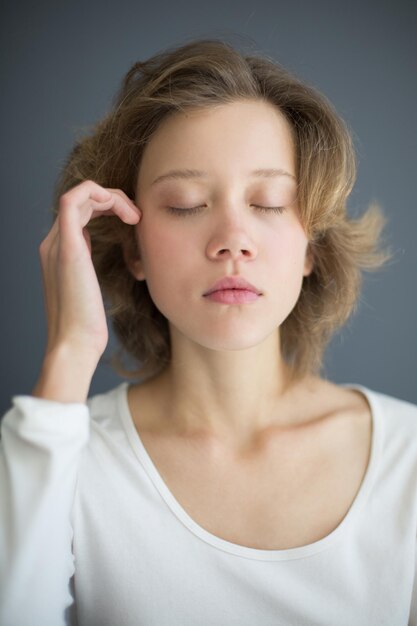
(74, 304)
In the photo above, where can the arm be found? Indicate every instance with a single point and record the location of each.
(41, 442)
(43, 434)
(412, 620)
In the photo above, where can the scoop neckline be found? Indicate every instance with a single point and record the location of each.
(237, 549)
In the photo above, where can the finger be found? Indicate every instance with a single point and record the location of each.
(119, 205)
(89, 190)
(100, 198)
(72, 220)
(82, 192)
(126, 197)
(90, 200)
(125, 212)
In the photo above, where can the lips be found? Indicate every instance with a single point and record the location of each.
(232, 282)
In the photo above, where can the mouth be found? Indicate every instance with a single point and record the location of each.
(232, 283)
(233, 296)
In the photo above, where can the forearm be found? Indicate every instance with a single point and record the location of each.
(39, 456)
(66, 375)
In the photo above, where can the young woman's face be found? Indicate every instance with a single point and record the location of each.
(183, 253)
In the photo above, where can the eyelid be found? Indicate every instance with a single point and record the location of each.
(174, 209)
(275, 209)
(193, 210)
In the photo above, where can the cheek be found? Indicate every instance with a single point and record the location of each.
(286, 251)
(164, 252)
(169, 263)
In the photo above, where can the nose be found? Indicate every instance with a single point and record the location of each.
(231, 243)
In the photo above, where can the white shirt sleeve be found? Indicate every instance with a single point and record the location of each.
(40, 446)
(412, 620)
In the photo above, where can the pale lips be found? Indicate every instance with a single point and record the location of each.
(233, 283)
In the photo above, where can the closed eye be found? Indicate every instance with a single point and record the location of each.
(185, 211)
(276, 209)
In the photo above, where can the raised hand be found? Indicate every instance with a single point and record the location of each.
(76, 320)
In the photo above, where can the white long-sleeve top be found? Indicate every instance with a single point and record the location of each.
(92, 536)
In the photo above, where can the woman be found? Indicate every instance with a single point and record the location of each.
(233, 484)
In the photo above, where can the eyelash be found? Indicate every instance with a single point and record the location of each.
(183, 212)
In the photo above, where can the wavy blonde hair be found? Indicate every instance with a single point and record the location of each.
(199, 74)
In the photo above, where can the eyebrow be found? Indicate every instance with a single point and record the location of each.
(188, 174)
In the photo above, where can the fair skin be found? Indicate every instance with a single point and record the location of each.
(230, 354)
(249, 456)
(223, 418)
(227, 376)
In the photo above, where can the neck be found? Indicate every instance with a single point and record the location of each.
(233, 396)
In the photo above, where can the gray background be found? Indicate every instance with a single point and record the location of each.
(61, 64)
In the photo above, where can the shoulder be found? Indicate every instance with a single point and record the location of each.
(394, 409)
(387, 406)
(109, 427)
(105, 407)
(395, 447)
(394, 418)
(395, 423)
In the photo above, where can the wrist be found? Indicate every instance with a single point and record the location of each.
(66, 375)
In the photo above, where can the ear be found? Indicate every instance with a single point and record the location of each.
(132, 258)
(308, 262)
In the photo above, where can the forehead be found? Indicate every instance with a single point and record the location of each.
(235, 137)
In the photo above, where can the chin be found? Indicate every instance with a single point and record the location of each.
(228, 339)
